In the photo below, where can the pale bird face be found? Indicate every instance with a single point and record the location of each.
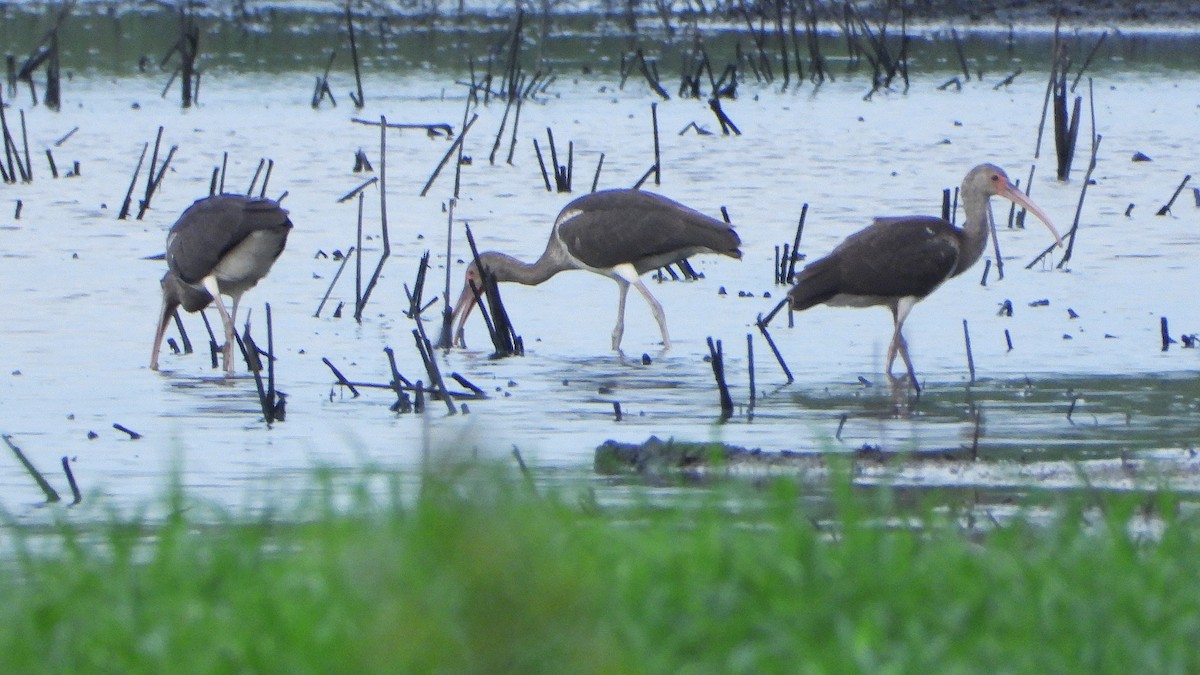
(991, 180)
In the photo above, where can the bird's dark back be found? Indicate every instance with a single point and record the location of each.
(893, 258)
(612, 227)
(211, 227)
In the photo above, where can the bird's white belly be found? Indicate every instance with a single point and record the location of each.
(245, 264)
(847, 300)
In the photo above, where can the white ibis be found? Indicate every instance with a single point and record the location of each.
(620, 234)
(224, 244)
(897, 261)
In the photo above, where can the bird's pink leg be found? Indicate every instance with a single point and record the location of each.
(899, 345)
(619, 330)
(210, 285)
(657, 309)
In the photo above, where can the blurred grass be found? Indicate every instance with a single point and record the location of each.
(477, 573)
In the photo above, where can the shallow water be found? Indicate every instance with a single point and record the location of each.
(81, 299)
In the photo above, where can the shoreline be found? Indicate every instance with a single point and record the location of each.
(1133, 16)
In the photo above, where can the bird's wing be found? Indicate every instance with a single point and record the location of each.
(608, 228)
(894, 257)
(211, 227)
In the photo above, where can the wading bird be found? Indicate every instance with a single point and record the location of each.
(222, 244)
(620, 234)
(897, 261)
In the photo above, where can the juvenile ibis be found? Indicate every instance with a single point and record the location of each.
(620, 234)
(897, 261)
(224, 244)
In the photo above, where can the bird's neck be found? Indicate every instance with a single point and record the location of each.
(975, 231)
(507, 268)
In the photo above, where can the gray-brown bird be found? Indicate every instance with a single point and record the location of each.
(620, 234)
(224, 244)
(897, 261)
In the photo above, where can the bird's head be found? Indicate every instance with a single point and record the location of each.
(989, 179)
(176, 292)
(472, 285)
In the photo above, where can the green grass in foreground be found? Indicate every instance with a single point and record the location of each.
(480, 575)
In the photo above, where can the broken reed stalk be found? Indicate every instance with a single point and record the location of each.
(476, 392)
(1066, 128)
(504, 337)
(154, 176)
(458, 161)
(500, 132)
(414, 296)
(512, 144)
(445, 336)
(1088, 59)
(782, 38)
(403, 404)
(349, 195)
(537, 150)
(340, 378)
(431, 367)
(995, 247)
(561, 181)
(449, 153)
(650, 72)
(717, 357)
(644, 178)
(51, 494)
(596, 177)
(271, 363)
(337, 275)
(423, 344)
(76, 495)
(387, 246)
(187, 343)
(727, 124)
(762, 328)
(188, 47)
(1166, 208)
(257, 172)
(251, 355)
(1037, 146)
(1008, 80)
(27, 172)
(962, 58)
(978, 418)
(322, 89)
(213, 348)
(1087, 179)
(124, 213)
(357, 248)
(133, 435)
(750, 365)
(360, 99)
(262, 193)
(508, 84)
(657, 154)
(430, 128)
(970, 356)
(791, 261)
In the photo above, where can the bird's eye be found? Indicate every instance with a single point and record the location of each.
(995, 178)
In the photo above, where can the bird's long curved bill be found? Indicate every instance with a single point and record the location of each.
(462, 309)
(1019, 198)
